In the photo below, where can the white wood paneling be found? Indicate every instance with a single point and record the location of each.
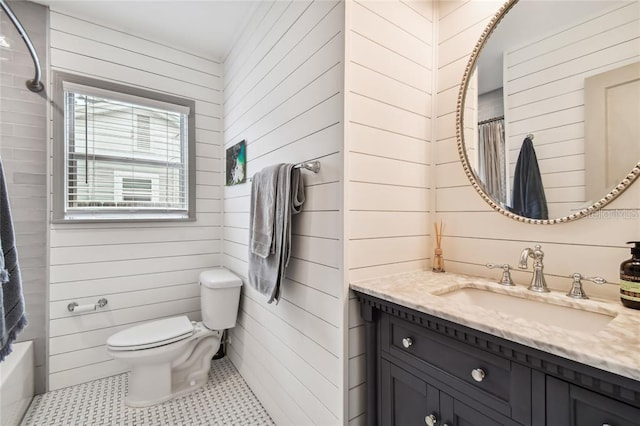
(115, 37)
(66, 378)
(145, 270)
(474, 233)
(283, 94)
(389, 117)
(288, 76)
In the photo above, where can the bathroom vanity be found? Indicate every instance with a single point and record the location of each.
(439, 360)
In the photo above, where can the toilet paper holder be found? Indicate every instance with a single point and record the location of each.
(75, 307)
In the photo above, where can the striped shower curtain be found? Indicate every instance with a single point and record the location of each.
(491, 153)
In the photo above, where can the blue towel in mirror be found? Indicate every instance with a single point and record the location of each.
(528, 198)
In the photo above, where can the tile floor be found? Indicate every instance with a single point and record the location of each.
(225, 400)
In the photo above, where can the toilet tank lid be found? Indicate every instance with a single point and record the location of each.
(219, 278)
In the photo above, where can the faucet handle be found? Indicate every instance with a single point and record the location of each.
(506, 273)
(576, 291)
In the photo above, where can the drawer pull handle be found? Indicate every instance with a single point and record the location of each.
(431, 420)
(406, 342)
(478, 374)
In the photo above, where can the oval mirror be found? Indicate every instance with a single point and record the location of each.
(548, 117)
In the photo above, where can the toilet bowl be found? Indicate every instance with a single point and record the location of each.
(170, 357)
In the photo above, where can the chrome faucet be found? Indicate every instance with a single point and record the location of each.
(576, 291)
(506, 273)
(538, 283)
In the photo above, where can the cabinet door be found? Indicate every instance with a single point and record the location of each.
(457, 413)
(569, 405)
(405, 400)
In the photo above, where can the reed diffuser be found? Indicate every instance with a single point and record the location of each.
(438, 260)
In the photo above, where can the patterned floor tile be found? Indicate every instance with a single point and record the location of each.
(225, 400)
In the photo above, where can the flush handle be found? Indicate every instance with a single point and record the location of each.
(407, 342)
(478, 374)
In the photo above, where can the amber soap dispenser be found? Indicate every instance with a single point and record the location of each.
(630, 278)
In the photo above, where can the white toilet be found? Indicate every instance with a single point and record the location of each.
(172, 356)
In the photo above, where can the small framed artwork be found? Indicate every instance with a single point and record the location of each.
(237, 163)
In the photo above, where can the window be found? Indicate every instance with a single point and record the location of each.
(121, 153)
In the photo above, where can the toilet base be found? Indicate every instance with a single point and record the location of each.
(153, 380)
(145, 399)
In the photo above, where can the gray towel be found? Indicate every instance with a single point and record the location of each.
(297, 199)
(262, 212)
(12, 315)
(267, 273)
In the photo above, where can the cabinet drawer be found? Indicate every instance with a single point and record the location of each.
(432, 352)
(407, 400)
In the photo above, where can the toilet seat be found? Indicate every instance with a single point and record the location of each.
(151, 334)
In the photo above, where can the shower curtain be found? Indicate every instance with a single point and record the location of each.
(491, 153)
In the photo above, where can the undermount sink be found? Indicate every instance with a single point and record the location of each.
(566, 317)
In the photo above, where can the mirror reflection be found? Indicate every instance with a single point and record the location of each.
(552, 109)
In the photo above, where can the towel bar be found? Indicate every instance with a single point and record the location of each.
(313, 166)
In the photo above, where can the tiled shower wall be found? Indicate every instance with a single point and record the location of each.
(23, 149)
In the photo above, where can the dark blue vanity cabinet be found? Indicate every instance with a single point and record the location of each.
(567, 404)
(423, 370)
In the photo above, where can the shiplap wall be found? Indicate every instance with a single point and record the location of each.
(475, 234)
(389, 90)
(145, 270)
(547, 74)
(23, 149)
(283, 94)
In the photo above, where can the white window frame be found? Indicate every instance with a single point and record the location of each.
(78, 84)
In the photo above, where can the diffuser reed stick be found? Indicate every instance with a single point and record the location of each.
(438, 260)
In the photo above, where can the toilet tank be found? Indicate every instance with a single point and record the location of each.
(219, 298)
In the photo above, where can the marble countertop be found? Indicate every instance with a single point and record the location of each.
(615, 348)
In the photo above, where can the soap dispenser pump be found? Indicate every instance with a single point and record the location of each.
(630, 278)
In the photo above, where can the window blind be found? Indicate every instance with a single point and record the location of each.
(123, 153)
